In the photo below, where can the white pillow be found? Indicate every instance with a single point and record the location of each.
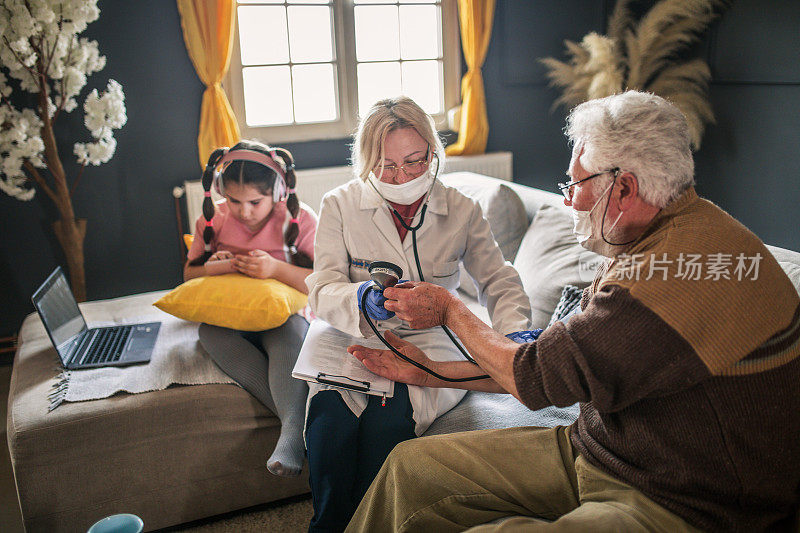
(793, 271)
(549, 258)
(505, 212)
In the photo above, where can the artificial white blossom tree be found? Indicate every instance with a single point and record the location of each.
(41, 53)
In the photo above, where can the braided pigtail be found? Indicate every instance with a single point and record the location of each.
(293, 205)
(208, 205)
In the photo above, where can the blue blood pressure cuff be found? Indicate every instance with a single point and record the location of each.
(525, 336)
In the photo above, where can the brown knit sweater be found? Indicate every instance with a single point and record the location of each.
(688, 388)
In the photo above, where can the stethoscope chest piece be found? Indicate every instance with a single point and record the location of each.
(384, 273)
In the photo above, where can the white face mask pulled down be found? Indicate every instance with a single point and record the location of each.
(405, 193)
(582, 227)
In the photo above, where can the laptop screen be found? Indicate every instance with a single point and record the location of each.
(59, 310)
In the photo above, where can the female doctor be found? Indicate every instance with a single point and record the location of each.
(397, 155)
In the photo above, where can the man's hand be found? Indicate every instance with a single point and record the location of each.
(256, 264)
(422, 305)
(385, 363)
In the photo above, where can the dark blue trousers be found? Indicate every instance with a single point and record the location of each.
(345, 452)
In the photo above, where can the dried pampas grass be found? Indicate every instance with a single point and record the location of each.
(643, 56)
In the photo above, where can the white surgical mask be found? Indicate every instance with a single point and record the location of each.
(582, 226)
(405, 193)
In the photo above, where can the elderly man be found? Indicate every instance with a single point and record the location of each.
(687, 378)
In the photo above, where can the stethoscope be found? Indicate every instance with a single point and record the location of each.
(386, 274)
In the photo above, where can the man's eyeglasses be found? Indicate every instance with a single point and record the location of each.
(566, 188)
(411, 169)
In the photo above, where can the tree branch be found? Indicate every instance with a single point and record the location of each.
(53, 50)
(50, 61)
(40, 181)
(7, 102)
(32, 72)
(52, 158)
(77, 180)
(7, 10)
(63, 101)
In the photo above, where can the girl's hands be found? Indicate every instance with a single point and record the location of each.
(256, 264)
(222, 255)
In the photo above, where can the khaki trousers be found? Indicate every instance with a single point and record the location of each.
(519, 479)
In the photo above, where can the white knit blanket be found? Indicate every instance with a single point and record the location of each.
(177, 357)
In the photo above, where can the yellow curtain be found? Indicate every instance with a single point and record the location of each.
(208, 33)
(475, 17)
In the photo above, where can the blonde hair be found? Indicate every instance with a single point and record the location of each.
(385, 116)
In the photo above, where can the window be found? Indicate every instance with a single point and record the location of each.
(302, 69)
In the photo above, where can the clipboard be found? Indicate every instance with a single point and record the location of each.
(324, 359)
(343, 382)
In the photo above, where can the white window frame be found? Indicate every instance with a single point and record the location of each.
(344, 35)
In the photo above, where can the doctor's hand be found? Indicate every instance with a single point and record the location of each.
(385, 363)
(421, 304)
(374, 304)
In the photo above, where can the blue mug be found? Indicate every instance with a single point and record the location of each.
(118, 523)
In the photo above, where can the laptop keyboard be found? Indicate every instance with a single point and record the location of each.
(107, 345)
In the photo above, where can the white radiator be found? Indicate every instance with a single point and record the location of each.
(313, 183)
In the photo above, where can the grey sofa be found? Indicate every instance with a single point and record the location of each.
(188, 452)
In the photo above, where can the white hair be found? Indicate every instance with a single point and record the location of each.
(640, 133)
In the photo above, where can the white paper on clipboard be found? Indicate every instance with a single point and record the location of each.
(324, 359)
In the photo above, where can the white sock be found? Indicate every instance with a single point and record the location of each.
(287, 458)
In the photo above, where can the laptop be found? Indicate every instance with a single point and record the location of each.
(81, 347)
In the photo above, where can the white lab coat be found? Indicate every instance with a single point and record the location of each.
(355, 227)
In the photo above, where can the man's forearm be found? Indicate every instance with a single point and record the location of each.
(492, 351)
(425, 305)
(462, 369)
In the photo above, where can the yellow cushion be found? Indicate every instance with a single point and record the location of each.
(233, 301)
(188, 239)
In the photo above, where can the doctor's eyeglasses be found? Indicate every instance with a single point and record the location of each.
(412, 169)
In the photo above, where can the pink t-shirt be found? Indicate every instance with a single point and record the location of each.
(232, 236)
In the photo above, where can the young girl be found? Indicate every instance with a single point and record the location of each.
(261, 230)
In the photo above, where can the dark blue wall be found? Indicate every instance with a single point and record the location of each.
(749, 161)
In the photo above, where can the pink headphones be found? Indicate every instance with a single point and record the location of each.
(279, 191)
